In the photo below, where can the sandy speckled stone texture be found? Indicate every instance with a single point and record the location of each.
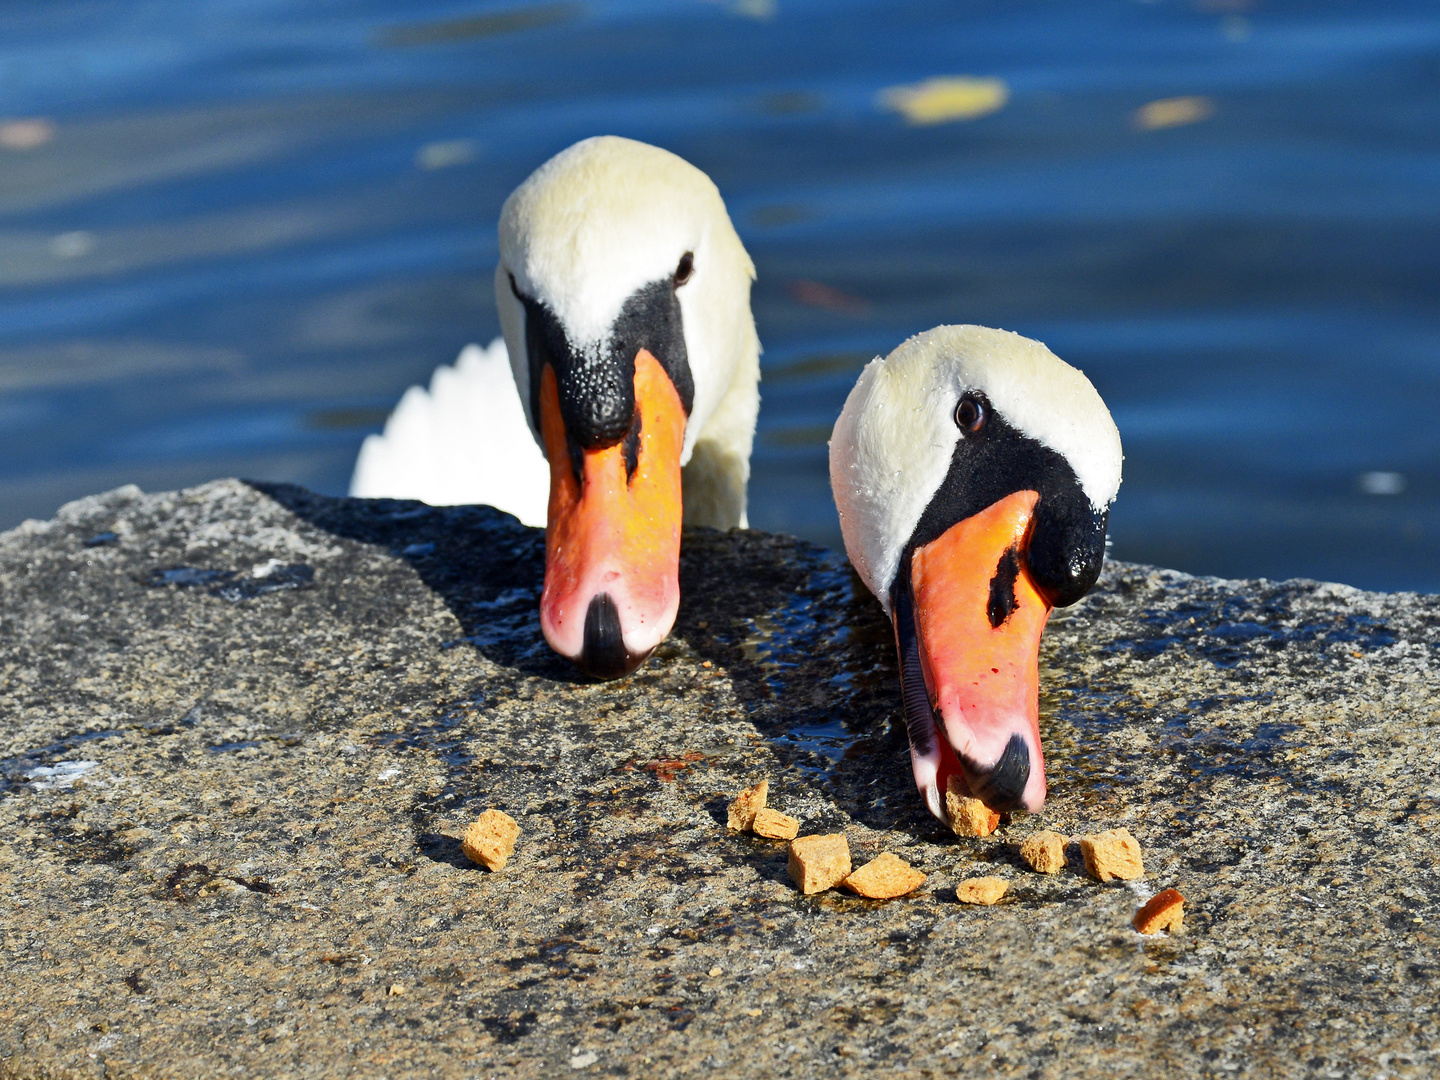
(242, 729)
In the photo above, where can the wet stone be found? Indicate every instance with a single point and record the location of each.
(232, 803)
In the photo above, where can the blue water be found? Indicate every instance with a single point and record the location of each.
(244, 228)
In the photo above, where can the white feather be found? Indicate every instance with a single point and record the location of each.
(465, 440)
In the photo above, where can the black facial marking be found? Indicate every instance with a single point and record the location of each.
(1001, 788)
(1066, 546)
(1002, 589)
(604, 655)
(597, 388)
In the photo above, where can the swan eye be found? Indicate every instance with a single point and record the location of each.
(685, 269)
(970, 413)
(513, 287)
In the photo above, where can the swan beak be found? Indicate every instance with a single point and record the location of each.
(612, 541)
(977, 623)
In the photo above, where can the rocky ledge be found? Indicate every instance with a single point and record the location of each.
(244, 726)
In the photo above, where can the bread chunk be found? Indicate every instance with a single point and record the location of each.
(981, 890)
(818, 863)
(1163, 911)
(1111, 855)
(884, 878)
(490, 839)
(1044, 852)
(742, 810)
(774, 825)
(968, 816)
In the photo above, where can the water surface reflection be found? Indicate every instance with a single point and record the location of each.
(231, 234)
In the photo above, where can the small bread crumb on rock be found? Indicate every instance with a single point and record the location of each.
(490, 840)
(1044, 852)
(1163, 911)
(742, 810)
(818, 863)
(1111, 855)
(968, 816)
(981, 890)
(884, 878)
(774, 825)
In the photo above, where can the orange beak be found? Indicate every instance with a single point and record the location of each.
(977, 619)
(612, 541)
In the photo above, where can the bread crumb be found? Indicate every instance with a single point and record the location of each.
(818, 863)
(490, 840)
(742, 810)
(1111, 855)
(1044, 852)
(981, 890)
(774, 825)
(1163, 911)
(884, 878)
(968, 816)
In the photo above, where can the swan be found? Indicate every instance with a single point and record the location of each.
(624, 298)
(973, 471)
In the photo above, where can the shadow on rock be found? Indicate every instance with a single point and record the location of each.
(439, 848)
(484, 565)
(807, 650)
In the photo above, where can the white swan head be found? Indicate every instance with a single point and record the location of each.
(974, 471)
(624, 294)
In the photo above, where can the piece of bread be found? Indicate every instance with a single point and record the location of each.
(1111, 855)
(774, 825)
(1163, 911)
(818, 863)
(968, 816)
(490, 839)
(981, 890)
(884, 878)
(742, 810)
(1044, 852)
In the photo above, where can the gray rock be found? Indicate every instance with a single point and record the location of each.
(244, 727)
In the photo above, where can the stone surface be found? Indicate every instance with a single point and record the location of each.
(242, 736)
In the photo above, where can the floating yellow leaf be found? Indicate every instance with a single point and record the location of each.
(936, 101)
(1173, 112)
(25, 134)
